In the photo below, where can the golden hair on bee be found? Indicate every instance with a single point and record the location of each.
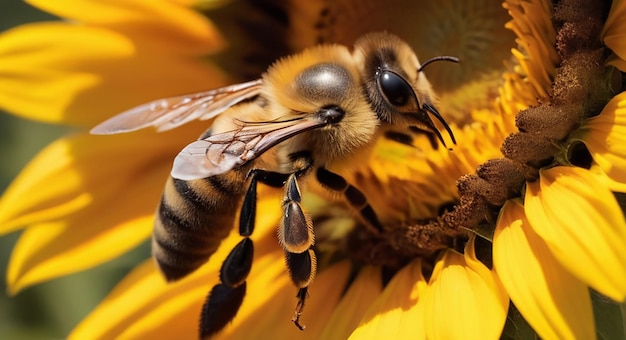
(317, 110)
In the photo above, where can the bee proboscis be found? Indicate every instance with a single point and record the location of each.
(308, 112)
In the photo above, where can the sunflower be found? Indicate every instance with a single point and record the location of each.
(521, 217)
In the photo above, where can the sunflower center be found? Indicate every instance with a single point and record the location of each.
(580, 89)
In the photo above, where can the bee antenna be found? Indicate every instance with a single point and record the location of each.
(437, 115)
(439, 58)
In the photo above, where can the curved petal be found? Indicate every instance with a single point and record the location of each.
(69, 73)
(607, 181)
(605, 137)
(68, 175)
(498, 299)
(153, 23)
(614, 32)
(397, 312)
(462, 285)
(353, 305)
(75, 221)
(555, 303)
(49, 250)
(582, 224)
(144, 305)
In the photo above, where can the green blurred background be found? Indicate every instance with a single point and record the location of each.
(49, 310)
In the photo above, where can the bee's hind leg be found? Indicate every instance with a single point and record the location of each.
(224, 300)
(226, 297)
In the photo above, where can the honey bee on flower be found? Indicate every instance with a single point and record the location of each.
(322, 107)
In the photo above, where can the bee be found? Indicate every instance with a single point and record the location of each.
(309, 112)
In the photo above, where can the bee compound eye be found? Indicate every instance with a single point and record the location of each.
(394, 88)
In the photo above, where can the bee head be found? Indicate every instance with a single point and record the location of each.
(395, 87)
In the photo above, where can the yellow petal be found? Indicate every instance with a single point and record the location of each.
(498, 295)
(462, 285)
(614, 32)
(605, 137)
(554, 302)
(83, 170)
(582, 224)
(50, 250)
(606, 180)
(144, 306)
(353, 305)
(396, 313)
(535, 54)
(153, 23)
(61, 72)
(87, 199)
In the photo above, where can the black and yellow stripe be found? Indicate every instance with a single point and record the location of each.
(193, 219)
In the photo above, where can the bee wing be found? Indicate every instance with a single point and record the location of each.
(222, 152)
(168, 113)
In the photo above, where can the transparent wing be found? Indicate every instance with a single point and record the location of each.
(168, 113)
(222, 152)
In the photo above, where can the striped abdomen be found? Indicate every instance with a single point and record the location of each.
(193, 219)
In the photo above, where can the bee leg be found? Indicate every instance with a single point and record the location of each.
(302, 268)
(248, 210)
(225, 299)
(353, 195)
(220, 308)
(296, 237)
(296, 228)
(303, 294)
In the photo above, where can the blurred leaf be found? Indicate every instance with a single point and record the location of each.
(608, 317)
(516, 327)
(15, 12)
